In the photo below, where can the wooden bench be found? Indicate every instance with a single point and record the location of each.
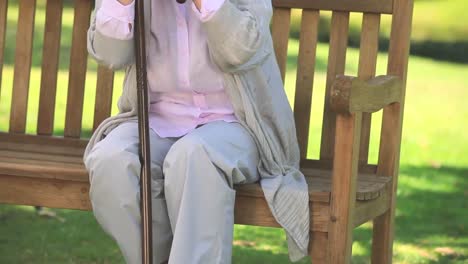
(345, 189)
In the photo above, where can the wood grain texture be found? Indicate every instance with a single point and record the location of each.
(366, 210)
(39, 157)
(3, 23)
(280, 33)
(336, 65)
(317, 251)
(43, 144)
(104, 88)
(305, 77)
(78, 65)
(74, 194)
(351, 94)
(368, 51)
(343, 195)
(51, 49)
(392, 120)
(255, 211)
(370, 6)
(323, 165)
(44, 192)
(23, 54)
(43, 169)
(369, 185)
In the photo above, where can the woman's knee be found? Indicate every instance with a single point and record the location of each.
(188, 155)
(183, 151)
(112, 170)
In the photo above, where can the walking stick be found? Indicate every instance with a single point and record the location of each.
(143, 131)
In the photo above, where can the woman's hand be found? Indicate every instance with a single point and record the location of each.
(125, 2)
(197, 4)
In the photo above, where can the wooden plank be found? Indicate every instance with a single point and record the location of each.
(318, 251)
(43, 169)
(366, 70)
(368, 210)
(254, 210)
(24, 41)
(51, 49)
(368, 187)
(35, 157)
(370, 6)
(318, 191)
(3, 23)
(305, 77)
(324, 165)
(78, 65)
(57, 193)
(280, 32)
(343, 194)
(336, 65)
(54, 141)
(43, 144)
(351, 94)
(390, 140)
(104, 88)
(44, 192)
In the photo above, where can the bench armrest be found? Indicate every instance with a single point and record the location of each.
(350, 94)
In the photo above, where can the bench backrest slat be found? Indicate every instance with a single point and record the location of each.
(23, 54)
(305, 76)
(398, 54)
(50, 62)
(366, 70)
(372, 6)
(3, 22)
(78, 65)
(104, 88)
(280, 33)
(336, 65)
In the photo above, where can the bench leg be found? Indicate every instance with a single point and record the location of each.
(382, 238)
(318, 247)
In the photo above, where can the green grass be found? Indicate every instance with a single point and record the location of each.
(431, 215)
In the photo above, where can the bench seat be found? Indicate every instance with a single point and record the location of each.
(49, 171)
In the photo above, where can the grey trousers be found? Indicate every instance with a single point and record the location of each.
(192, 190)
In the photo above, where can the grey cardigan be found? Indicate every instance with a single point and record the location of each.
(240, 44)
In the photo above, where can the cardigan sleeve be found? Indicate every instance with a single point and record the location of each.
(238, 34)
(109, 51)
(207, 10)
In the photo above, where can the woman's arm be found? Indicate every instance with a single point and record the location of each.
(238, 34)
(115, 52)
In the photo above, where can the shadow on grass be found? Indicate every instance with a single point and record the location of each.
(431, 213)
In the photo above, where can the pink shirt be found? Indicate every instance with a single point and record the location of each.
(186, 87)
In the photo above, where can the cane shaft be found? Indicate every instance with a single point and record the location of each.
(143, 131)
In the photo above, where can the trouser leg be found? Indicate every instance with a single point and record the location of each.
(114, 169)
(200, 170)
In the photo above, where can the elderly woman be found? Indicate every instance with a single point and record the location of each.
(218, 117)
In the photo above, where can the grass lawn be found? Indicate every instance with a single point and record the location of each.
(431, 216)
